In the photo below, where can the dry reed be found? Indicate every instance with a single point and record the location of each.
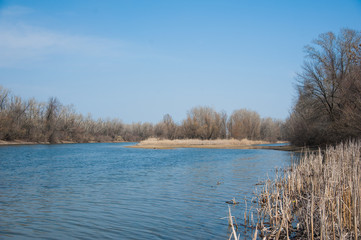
(231, 225)
(197, 143)
(318, 198)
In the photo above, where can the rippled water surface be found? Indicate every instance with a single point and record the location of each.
(107, 191)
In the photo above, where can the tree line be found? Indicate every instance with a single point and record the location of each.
(51, 121)
(327, 109)
(328, 105)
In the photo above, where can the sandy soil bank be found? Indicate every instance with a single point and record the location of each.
(154, 143)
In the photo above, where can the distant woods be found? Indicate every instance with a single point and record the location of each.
(33, 121)
(327, 109)
(328, 106)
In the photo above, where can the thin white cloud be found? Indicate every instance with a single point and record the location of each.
(20, 42)
(27, 37)
(14, 11)
(26, 45)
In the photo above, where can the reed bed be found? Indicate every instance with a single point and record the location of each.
(318, 198)
(152, 141)
(214, 143)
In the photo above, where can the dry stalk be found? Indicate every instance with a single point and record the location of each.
(231, 225)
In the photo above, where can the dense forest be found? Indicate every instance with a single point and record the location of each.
(327, 109)
(30, 120)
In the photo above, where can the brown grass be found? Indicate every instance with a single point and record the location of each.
(156, 143)
(317, 199)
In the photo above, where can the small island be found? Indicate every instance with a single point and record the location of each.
(156, 143)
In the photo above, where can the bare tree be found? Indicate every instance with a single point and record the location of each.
(169, 127)
(51, 119)
(328, 79)
(244, 123)
(4, 98)
(203, 123)
(223, 131)
(270, 129)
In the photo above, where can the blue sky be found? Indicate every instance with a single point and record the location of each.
(138, 60)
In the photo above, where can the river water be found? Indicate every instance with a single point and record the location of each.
(108, 191)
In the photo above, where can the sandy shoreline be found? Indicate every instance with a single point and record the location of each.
(153, 143)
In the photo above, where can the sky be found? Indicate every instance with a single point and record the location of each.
(138, 60)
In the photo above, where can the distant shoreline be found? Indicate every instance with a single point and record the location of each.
(154, 143)
(178, 143)
(21, 142)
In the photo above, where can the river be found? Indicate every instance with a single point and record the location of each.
(108, 191)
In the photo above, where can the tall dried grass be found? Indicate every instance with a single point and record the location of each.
(231, 225)
(319, 198)
(199, 142)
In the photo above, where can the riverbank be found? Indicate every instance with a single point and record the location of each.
(154, 143)
(21, 142)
